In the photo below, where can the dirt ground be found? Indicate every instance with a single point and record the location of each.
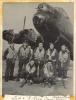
(12, 87)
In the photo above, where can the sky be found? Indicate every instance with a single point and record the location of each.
(14, 13)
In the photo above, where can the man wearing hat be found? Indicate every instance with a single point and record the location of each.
(10, 55)
(23, 56)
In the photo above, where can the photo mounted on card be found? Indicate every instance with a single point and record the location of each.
(37, 49)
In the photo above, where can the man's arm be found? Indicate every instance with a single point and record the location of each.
(5, 54)
(18, 53)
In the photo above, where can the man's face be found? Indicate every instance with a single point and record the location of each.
(51, 46)
(11, 45)
(40, 45)
(31, 62)
(63, 47)
(25, 44)
(29, 47)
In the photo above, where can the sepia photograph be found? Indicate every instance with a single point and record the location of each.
(37, 55)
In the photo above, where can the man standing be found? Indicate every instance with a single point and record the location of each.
(23, 55)
(64, 61)
(52, 56)
(10, 56)
(39, 59)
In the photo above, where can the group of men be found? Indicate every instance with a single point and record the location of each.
(38, 64)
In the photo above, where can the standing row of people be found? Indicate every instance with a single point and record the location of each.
(38, 63)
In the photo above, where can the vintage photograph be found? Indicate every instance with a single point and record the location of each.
(37, 53)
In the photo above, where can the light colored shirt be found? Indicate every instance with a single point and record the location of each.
(51, 54)
(23, 52)
(30, 69)
(11, 53)
(39, 54)
(63, 57)
(31, 54)
(48, 72)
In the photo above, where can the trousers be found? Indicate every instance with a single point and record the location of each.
(22, 62)
(9, 68)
